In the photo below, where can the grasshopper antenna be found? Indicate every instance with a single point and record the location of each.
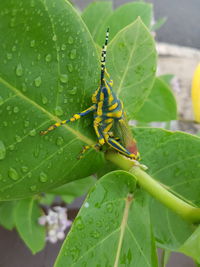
(103, 57)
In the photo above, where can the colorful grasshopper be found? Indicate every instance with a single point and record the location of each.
(108, 116)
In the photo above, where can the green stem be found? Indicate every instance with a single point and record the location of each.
(154, 188)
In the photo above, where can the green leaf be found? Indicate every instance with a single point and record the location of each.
(95, 17)
(7, 210)
(160, 104)
(127, 14)
(173, 159)
(191, 247)
(112, 227)
(48, 71)
(99, 16)
(74, 189)
(132, 64)
(26, 217)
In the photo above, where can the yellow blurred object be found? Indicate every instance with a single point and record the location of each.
(196, 93)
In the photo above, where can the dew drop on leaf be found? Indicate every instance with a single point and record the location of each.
(64, 78)
(32, 132)
(15, 109)
(59, 141)
(32, 43)
(95, 234)
(33, 188)
(18, 138)
(72, 91)
(48, 58)
(26, 123)
(19, 70)
(2, 150)
(13, 174)
(24, 169)
(70, 67)
(73, 54)
(43, 177)
(63, 47)
(12, 147)
(79, 224)
(38, 81)
(70, 40)
(58, 111)
(54, 38)
(44, 100)
(9, 56)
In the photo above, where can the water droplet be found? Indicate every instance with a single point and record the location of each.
(14, 48)
(95, 234)
(58, 111)
(70, 67)
(79, 224)
(48, 58)
(109, 207)
(44, 100)
(2, 150)
(63, 47)
(64, 78)
(59, 141)
(43, 177)
(70, 40)
(12, 173)
(73, 54)
(9, 56)
(19, 70)
(33, 188)
(72, 91)
(32, 43)
(32, 132)
(26, 123)
(24, 88)
(24, 169)
(15, 109)
(38, 81)
(11, 147)
(54, 38)
(18, 138)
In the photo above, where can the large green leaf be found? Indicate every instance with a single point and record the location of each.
(112, 228)
(173, 159)
(26, 218)
(48, 71)
(95, 17)
(98, 16)
(160, 104)
(128, 13)
(132, 65)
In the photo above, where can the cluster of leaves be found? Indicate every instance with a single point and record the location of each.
(49, 68)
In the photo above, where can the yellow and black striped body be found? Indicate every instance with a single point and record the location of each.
(108, 111)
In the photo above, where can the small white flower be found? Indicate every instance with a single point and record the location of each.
(56, 222)
(60, 235)
(42, 220)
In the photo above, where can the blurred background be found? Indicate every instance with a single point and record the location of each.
(182, 25)
(182, 29)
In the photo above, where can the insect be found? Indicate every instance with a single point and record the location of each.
(109, 116)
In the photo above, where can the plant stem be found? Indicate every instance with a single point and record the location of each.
(155, 189)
